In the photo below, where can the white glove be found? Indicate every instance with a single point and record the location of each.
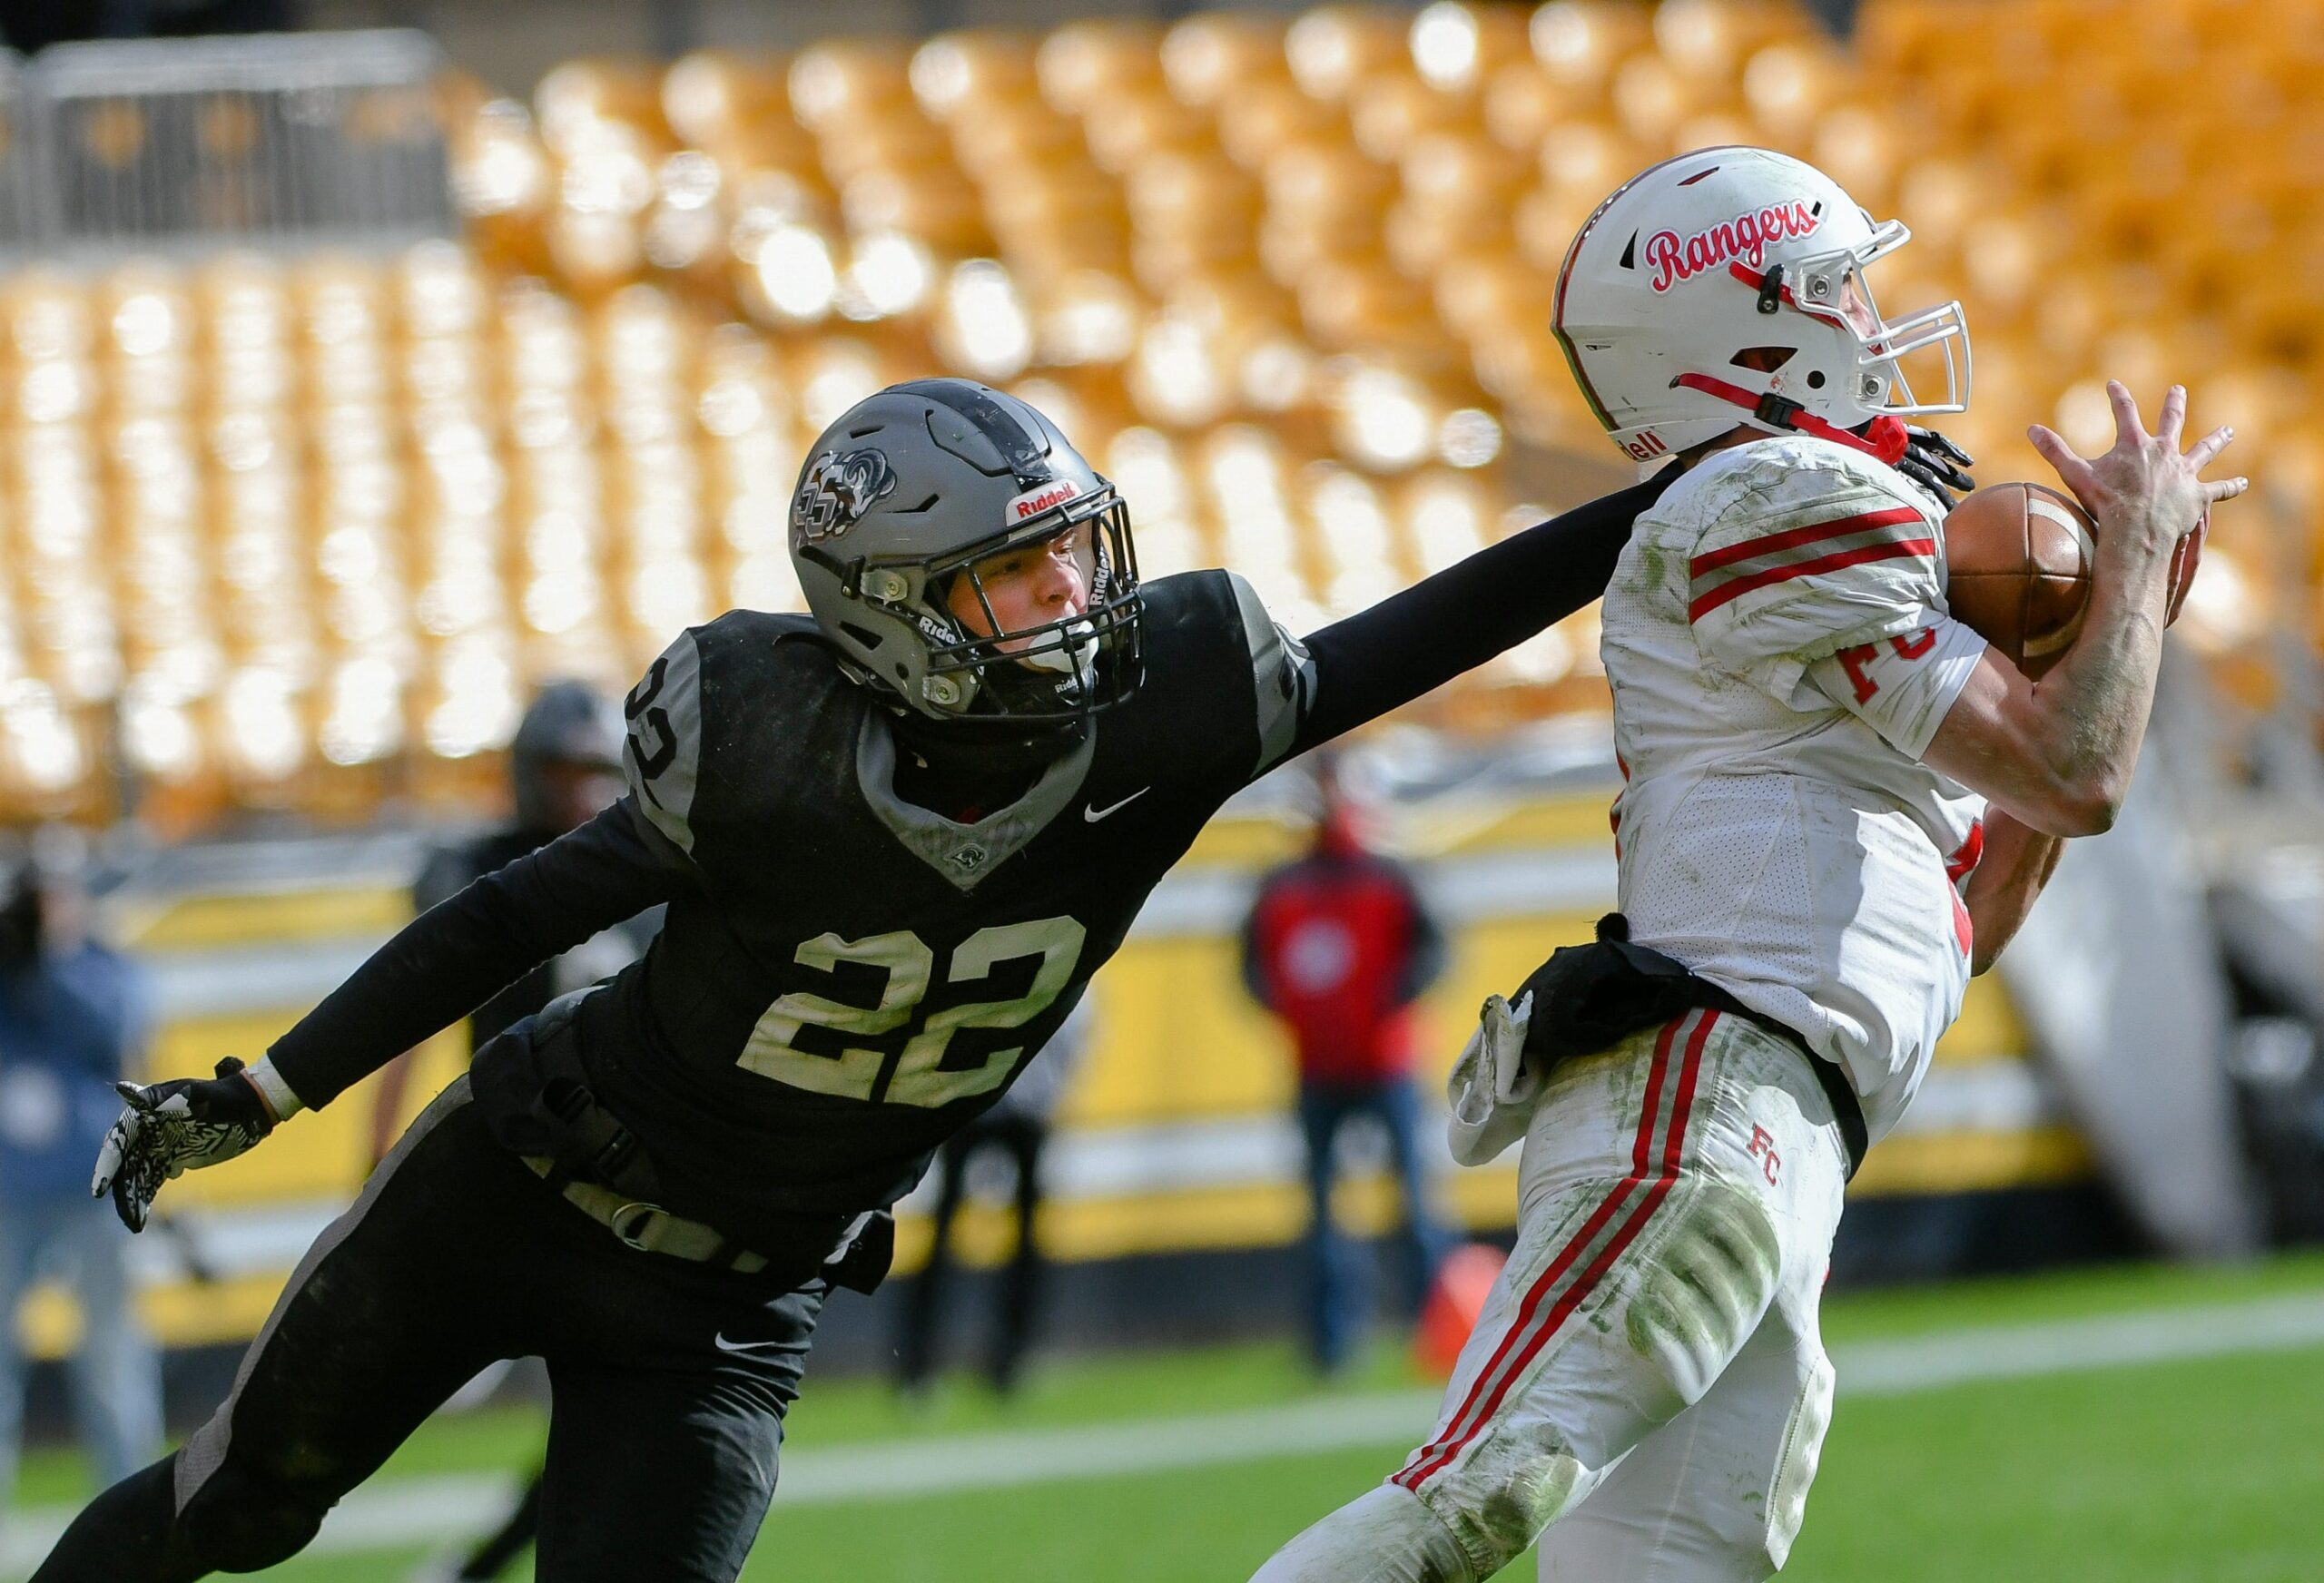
(1493, 1091)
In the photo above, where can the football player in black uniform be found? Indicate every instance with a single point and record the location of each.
(895, 840)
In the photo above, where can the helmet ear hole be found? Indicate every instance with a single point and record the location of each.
(1766, 359)
(1816, 380)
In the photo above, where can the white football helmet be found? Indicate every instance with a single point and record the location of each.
(1727, 286)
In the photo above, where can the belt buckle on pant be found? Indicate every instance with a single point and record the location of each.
(628, 1224)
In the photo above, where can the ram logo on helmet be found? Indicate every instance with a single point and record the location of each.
(838, 490)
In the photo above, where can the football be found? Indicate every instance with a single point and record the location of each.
(2018, 558)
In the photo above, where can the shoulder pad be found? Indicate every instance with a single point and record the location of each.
(662, 756)
(1793, 519)
(1283, 676)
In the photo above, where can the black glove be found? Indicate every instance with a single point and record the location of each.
(1937, 465)
(169, 1128)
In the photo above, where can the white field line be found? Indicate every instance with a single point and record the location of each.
(401, 1513)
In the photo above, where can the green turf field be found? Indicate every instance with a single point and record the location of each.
(2196, 1467)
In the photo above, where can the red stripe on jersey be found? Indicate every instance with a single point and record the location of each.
(1925, 548)
(1972, 851)
(1792, 537)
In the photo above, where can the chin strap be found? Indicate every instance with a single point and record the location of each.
(1885, 437)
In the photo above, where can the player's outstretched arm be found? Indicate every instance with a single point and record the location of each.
(1383, 658)
(2058, 753)
(461, 952)
(2018, 861)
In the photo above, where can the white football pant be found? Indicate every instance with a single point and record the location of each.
(1647, 1374)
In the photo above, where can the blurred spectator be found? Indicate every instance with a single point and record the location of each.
(74, 1016)
(1019, 1127)
(1338, 946)
(564, 765)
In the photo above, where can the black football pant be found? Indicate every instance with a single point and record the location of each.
(669, 1382)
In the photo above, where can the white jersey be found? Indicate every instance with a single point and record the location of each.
(1781, 653)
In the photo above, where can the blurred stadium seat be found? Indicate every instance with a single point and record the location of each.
(534, 452)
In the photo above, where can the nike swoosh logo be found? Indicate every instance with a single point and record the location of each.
(725, 1345)
(1093, 814)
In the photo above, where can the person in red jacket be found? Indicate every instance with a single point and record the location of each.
(1338, 945)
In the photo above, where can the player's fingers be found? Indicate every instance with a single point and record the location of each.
(121, 1142)
(2070, 468)
(2208, 449)
(2174, 416)
(2224, 489)
(2130, 430)
(108, 1164)
(128, 1202)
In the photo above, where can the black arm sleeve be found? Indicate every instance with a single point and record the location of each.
(1383, 658)
(458, 955)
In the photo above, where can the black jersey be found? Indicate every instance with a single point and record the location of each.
(852, 977)
(842, 978)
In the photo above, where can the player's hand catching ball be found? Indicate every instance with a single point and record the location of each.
(2149, 498)
(169, 1128)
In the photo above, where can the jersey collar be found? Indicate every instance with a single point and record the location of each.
(965, 853)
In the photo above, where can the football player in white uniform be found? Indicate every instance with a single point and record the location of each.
(1817, 757)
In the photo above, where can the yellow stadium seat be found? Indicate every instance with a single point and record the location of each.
(980, 69)
(1082, 64)
(1788, 84)
(1137, 122)
(711, 98)
(1018, 140)
(1457, 46)
(1458, 194)
(1269, 116)
(856, 83)
(1521, 103)
(1334, 49)
(1649, 99)
(900, 137)
(1581, 43)
(1481, 294)
(573, 99)
(928, 201)
(1387, 114)
(1215, 57)
(1706, 41)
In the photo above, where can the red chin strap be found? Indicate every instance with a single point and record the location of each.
(1884, 437)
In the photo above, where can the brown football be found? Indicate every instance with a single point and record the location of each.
(2017, 570)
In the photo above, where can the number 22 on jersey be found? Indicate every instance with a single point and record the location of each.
(919, 1076)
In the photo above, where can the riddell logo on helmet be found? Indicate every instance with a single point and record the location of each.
(1745, 237)
(1043, 497)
